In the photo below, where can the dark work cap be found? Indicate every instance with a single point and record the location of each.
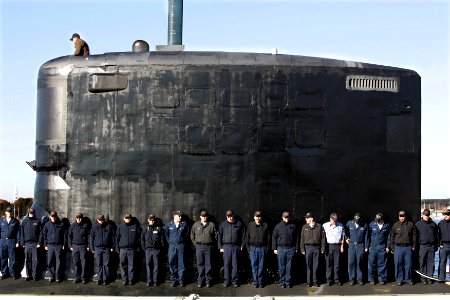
(285, 214)
(31, 210)
(128, 216)
(447, 213)
(402, 213)
(204, 213)
(151, 217)
(8, 209)
(257, 214)
(333, 216)
(101, 217)
(53, 213)
(379, 216)
(75, 35)
(177, 213)
(230, 213)
(357, 216)
(79, 215)
(426, 212)
(309, 215)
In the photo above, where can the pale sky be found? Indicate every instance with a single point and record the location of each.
(405, 34)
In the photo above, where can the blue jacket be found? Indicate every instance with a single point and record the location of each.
(285, 234)
(128, 236)
(174, 235)
(380, 236)
(231, 233)
(358, 235)
(9, 231)
(54, 233)
(101, 235)
(427, 232)
(152, 237)
(78, 234)
(30, 231)
(444, 232)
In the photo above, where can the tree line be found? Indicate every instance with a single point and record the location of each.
(21, 205)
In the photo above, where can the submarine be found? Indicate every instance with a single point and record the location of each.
(156, 131)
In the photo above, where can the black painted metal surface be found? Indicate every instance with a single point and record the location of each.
(153, 132)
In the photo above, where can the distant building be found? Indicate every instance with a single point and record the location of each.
(436, 206)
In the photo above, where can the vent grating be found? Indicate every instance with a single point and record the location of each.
(372, 83)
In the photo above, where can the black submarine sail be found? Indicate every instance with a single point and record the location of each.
(154, 131)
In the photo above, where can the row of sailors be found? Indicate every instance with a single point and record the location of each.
(377, 238)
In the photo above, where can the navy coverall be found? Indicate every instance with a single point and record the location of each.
(9, 232)
(379, 242)
(176, 238)
(358, 244)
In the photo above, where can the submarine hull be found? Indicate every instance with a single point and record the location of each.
(161, 131)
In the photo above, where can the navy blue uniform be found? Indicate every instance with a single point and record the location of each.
(427, 236)
(29, 234)
(357, 237)
(127, 242)
(9, 232)
(101, 242)
(152, 241)
(231, 240)
(284, 240)
(78, 242)
(444, 240)
(176, 238)
(379, 244)
(54, 237)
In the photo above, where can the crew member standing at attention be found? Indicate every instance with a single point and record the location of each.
(9, 234)
(81, 47)
(204, 237)
(334, 234)
(54, 235)
(403, 241)
(444, 239)
(30, 231)
(257, 240)
(379, 233)
(152, 241)
(101, 243)
(231, 242)
(127, 242)
(428, 237)
(357, 238)
(177, 235)
(78, 243)
(312, 243)
(284, 243)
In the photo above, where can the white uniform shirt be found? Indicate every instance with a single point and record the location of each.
(334, 233)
